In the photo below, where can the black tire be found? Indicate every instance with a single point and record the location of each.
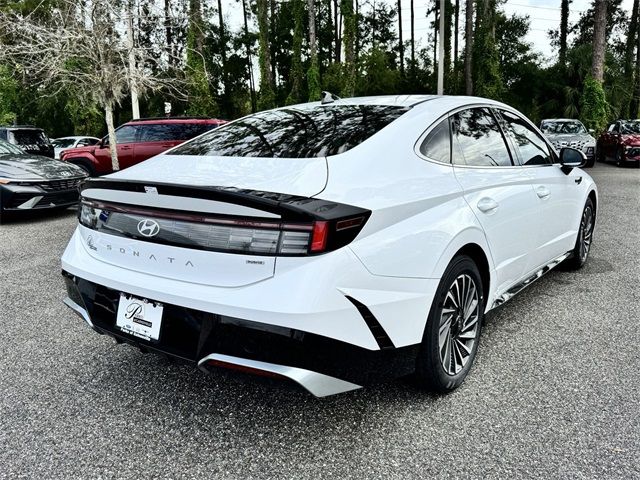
(580, 252)
(599, 155)
(590, 162)
(619, 161)
(431, 372)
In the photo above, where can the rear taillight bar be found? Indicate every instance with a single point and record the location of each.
(253, 236)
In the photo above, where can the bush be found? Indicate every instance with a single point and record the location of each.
(594, 107)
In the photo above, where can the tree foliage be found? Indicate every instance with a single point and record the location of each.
(288, 51)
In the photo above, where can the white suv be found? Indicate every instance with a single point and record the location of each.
(332, 244)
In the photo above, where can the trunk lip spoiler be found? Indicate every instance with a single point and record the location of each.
(289, 207)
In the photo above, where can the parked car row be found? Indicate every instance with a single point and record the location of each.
(31, 177)
(137, 141)
(620, 143)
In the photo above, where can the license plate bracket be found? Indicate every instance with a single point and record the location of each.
(139, 317)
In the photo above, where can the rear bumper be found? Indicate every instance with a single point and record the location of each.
(320, 364)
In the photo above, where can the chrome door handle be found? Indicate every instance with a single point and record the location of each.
(543, 192)
(487, 205)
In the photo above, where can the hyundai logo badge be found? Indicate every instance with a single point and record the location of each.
(148, 228)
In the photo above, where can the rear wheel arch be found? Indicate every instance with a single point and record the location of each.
(479, 257)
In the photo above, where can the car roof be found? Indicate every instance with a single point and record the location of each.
(74, 137)
(20, 127)
(175, 120)
(561, 120)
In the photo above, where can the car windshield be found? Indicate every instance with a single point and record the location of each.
(29, 137)
(63, 142)
(630, 127)
(297, 132)
(8, 149)
(563, 127)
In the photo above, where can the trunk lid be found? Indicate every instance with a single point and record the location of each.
(180, 195)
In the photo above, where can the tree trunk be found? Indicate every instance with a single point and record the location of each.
(168, 33)
(111, 130)
(273, 43)
(336, 34)
(267, 97)
(413, 36)
(564, 29)
(296, 61)
(346, 8)
(252, 85)
(599, 40)
(313, 74)
(400, 44)
(468, 45)
(357, 40)
(456, 25)
(436, 9)
(635, 101)
(135, 106)
(223, 48)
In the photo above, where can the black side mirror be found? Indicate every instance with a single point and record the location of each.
(571, 158)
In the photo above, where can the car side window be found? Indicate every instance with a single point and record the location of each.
(156, 133)
(613, 128)
(479, 140)
(126, 134)
(437, 145)
(532, 148)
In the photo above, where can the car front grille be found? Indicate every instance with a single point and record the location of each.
(53, 199)
(577, 144)
(59, 185)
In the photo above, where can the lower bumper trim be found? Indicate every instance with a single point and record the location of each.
(317, 384)
(80, 311)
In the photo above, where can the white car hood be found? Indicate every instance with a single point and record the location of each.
(294, 176)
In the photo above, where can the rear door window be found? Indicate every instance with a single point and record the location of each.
(532, 148)
(296, 132)
(156, 133)
(479, 139)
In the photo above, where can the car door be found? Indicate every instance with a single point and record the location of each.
(498, 191)
(609, 141)
(126, 136)
(558, 194)
(154, 139)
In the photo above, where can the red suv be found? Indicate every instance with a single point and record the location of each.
(139, 140)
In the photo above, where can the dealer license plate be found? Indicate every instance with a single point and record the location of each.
(138, 317)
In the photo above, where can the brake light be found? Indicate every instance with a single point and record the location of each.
(319, 237)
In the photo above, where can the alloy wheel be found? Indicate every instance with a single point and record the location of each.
(459, 323)
(586, 232)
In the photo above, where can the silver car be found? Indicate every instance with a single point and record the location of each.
(566, 132)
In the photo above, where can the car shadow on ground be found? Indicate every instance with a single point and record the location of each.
(33, 216)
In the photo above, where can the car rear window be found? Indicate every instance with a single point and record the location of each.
(29, 137)
(296, 132)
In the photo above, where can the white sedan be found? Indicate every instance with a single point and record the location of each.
(334, 243)
(66, 143)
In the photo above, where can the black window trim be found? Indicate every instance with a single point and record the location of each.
(453, 111)
(556, 159)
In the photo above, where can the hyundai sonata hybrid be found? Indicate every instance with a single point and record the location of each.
(333, 244)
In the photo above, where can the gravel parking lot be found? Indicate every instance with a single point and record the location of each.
(554, 392)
